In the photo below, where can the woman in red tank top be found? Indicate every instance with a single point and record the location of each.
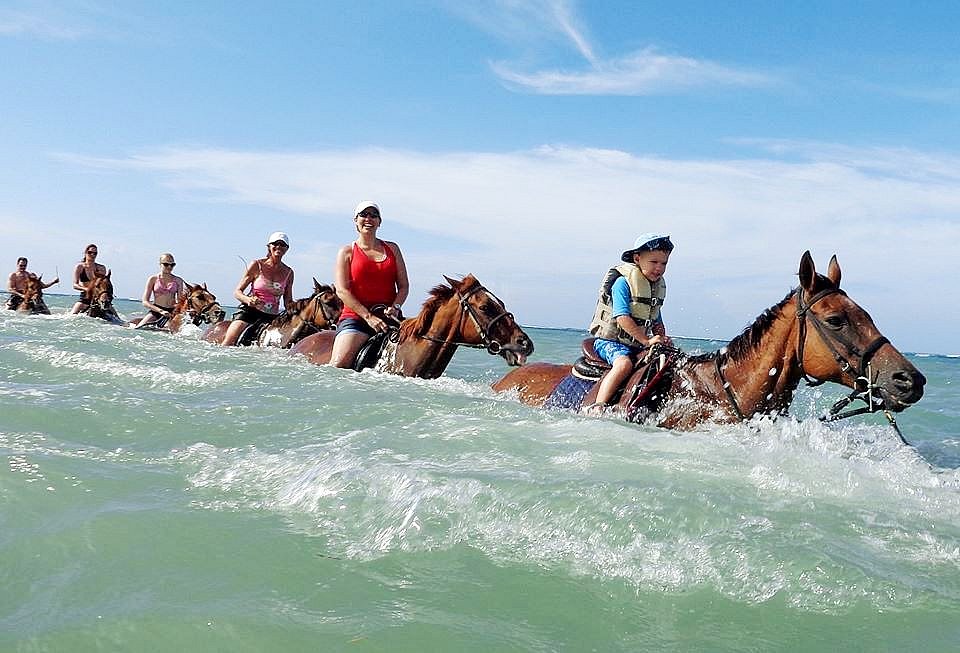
(368, 272)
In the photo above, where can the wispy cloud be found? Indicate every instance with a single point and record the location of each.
(648, 72)
(40, 24)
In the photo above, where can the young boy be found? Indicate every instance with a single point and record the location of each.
(627, 319)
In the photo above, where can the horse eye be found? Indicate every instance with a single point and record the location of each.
(836, 321)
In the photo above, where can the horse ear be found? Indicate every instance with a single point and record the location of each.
(453, 283)
(204, 285)
(189, 287)
(808, 272)
(109, 272)
(833, 271)
(316, 284)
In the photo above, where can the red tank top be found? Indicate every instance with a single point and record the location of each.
(371, 282)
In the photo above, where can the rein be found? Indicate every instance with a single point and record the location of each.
(492, 345)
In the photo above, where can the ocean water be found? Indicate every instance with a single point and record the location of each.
(158, 493)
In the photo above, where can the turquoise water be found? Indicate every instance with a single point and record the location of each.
(163, 494)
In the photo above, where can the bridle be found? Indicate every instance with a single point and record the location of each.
(206, 313)
(492, 345)
(859, 369)
(321, 307)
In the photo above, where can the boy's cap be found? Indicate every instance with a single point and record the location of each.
(363, 206)
(647, 242)
(278, 235)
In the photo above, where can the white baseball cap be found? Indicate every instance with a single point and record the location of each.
(366, 204)
(278, 235)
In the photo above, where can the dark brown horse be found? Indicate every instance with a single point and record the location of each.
(816, 333)
(98, 296)
(464, 313)
(32, 301)
(197, 305)
(319, 311)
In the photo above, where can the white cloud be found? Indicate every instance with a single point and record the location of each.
(647, 72)
(40, 24)
(541, 225)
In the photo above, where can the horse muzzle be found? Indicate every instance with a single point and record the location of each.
(515, 353)
(901, 389)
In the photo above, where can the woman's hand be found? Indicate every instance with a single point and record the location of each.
(376, 323)
(394, 312)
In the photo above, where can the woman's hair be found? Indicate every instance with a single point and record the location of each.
(83, 257)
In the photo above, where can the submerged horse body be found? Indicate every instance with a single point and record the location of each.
(816, 333)
(304, 317)
(462, 313)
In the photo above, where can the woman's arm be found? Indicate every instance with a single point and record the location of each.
(248, 278)
(77, 284)
(288, 291)
(403, 283)
(148, 293)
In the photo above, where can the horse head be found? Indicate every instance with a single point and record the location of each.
(98, 294)
(838, 341)
(33, 296)
(322, 309)
(486, 322)
(202, 305)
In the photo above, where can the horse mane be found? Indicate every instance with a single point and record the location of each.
(751, 337)
(290, 311)
(438, 296)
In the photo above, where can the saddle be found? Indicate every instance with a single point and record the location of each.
(373, 348)
(589, 367)
(640, 396)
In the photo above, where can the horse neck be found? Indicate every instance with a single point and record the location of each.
(423, 358)
(764, 376)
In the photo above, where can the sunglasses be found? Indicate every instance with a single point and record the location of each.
(368, 214)
(280, 243)
(167, 264)
(92, 252)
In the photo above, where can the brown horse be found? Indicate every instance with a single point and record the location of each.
(319, 311)
(98, 296)
(815, 333)
(197, 304)
(32, 301)
(461, 314)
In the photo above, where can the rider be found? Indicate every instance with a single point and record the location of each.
(368, 272)
(162, 293)
(86, 270)
(627, 319)
(270, 280)
(17, 283)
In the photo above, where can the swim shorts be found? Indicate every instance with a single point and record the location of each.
(610, 350)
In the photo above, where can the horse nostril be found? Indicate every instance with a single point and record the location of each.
(908, 381)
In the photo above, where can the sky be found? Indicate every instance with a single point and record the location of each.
(528, 143)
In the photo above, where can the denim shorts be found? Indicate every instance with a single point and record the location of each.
(354, 325)
(610, 350)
